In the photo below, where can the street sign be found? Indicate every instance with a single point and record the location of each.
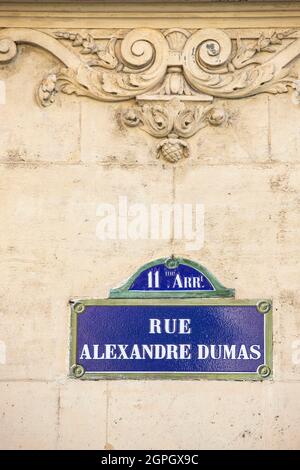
(171, 277)
(175, 336)
(115, 338)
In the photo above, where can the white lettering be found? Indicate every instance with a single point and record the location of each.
(255, 351)
(135, 353)
(213, 351)
(243, 352)
(172, 352)
(96, 352)
(110, 351)
(203, 351)
(155, 326)
(160, 351)
(185, 351)
(177, 282)
(170, 326)
(169, 351)
(184, 326)
(122, 348)
(187, 283)
(85, 353)
(112, 460)
(229, 351)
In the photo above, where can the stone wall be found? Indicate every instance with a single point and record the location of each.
(58, 163)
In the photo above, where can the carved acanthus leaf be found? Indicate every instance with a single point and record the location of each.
(105, 57)
(142, 56)
(174, 121)
(103, 86)
(246, 75)
(154, 65)
(47, 90)
(246, 54)
(146, 60)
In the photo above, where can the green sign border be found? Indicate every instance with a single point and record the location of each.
(264, 371)
(123, 291)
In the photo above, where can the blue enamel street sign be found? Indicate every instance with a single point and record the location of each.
(125, 337)
(161, 277)
(171, 277)
(181, 336)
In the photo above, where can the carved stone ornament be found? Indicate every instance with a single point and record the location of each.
(165, 68)
(173, 121)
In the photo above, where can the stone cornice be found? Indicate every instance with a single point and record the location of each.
(150, 14)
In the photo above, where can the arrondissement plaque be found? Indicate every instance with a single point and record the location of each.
(171, 319)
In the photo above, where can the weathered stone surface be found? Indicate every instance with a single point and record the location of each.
(30, 133)
(59, 163)
(106, 140)
(83, 415)
(160, 415)
(29, 415)
(237, 141)
(57, 254)
(282, 416)
(284, 133)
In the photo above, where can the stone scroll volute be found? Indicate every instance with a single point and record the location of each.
(172, 75)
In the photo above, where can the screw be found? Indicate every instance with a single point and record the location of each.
(263, 306)
(79, 308)
(78, 371)
(264, 371)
